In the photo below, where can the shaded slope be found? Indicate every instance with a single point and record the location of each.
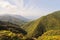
(32, 28)
(11, 27)
(38, 27)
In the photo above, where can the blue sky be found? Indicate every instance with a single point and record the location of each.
(31, 9)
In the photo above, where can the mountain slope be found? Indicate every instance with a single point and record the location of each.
(50, 35)
(38, 27)
(11, 27)
(15, 19)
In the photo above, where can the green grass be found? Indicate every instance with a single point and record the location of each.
(49, 38)
(50, 35)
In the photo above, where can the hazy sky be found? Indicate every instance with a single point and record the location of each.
(29, 8)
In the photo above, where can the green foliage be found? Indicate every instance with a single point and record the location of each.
(50, 35)
(8, 35)
(49, 38)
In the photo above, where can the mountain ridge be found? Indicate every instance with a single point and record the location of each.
(15, 19)
(49, 22)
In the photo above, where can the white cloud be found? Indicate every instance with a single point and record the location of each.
(6, 7)
(5, 4)
(30, 12)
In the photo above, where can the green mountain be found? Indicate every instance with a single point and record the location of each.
(37, 27)
(14, 19)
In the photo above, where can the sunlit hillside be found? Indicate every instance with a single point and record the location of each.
(38, 27)
(50, 35)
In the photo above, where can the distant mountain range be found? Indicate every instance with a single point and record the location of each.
(15, 19)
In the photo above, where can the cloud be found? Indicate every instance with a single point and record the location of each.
(6, 4)
(6, 7)
(29, 10)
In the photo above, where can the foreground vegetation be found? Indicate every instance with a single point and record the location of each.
(8, 35)
(50, 35)
(49, 38)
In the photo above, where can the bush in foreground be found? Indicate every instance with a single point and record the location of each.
(8, 35)
(50, 35)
